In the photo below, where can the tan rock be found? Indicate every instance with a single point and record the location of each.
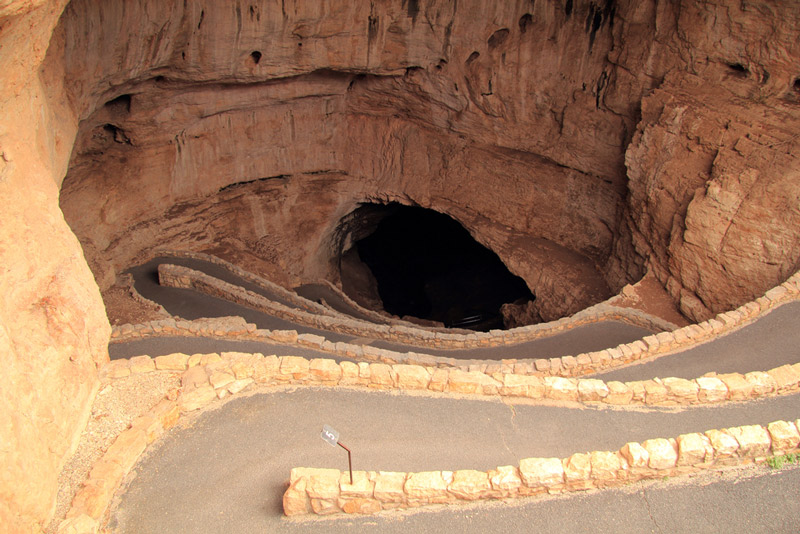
(618, 393)
(194, 360)
(381, 376)
(738, 387)
(636, 455)
(209, 359)
(320, 483)
(325, 370)
(754, 440)
(295, 499)
(682, 390)
(605, 465)
(142, 364)
(194, 377)
(150, 425)
(724, 444)
(559, 388)
(522, 386)
(427, 487)
(470, 485)
(265, 369)
(243, 368)
(94, 497)
(439, 379)
(196, 398)
(505, 479)
(638, 391)
(82, 524)
(786, 377)
(661, 452)
(172, 362)
(784, 435)
(412, 376)
(694, 449)
(711, 389)
(390, 487)
(127, 448)
(116, 369)
(592, 390)
(167, 412)
(238, 385)
(762, 383)
(655, 393)
(361, 487)
(472, 382)
(349, 373)
(578, 470)
(325, 506)
(541, 472)
(293, 367)
(220, 380)
(360, 505)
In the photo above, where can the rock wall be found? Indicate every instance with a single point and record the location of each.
(448, 108)
(713, 166)
(53, 329)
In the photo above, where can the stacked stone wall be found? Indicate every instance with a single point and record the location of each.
(208, 378)
(652, 346)
(330, 491)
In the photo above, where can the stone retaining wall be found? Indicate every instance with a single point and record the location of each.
(218, 375)
(291, 296)
(186, 278)
(329, 491)
(649, 347)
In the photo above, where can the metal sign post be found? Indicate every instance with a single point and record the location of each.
(331, 437)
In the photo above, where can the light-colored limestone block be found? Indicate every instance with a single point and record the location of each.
(662, 454)
(541, 472)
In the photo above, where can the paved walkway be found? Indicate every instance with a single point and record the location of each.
(226, 471)
(770, 342)
(190, 304)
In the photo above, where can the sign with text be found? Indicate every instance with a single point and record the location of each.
(330, 436)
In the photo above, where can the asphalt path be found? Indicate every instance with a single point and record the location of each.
(770, 342)
(226, 469)
(190, 304)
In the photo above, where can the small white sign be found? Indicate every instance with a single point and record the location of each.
(330, 436)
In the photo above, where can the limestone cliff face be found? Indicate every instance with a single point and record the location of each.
(53, 329)
(713, 166)
(512, 118)
(583, 141)
(481, 111)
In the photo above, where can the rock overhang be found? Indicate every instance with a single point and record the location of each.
(398, 128)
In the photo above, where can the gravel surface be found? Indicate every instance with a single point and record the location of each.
(117, 404)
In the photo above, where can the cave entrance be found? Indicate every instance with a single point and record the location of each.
(418, 263)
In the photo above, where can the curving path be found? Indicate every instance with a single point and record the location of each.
(225, 470)
(190, 304)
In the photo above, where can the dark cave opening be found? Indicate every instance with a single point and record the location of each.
(427, 266)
